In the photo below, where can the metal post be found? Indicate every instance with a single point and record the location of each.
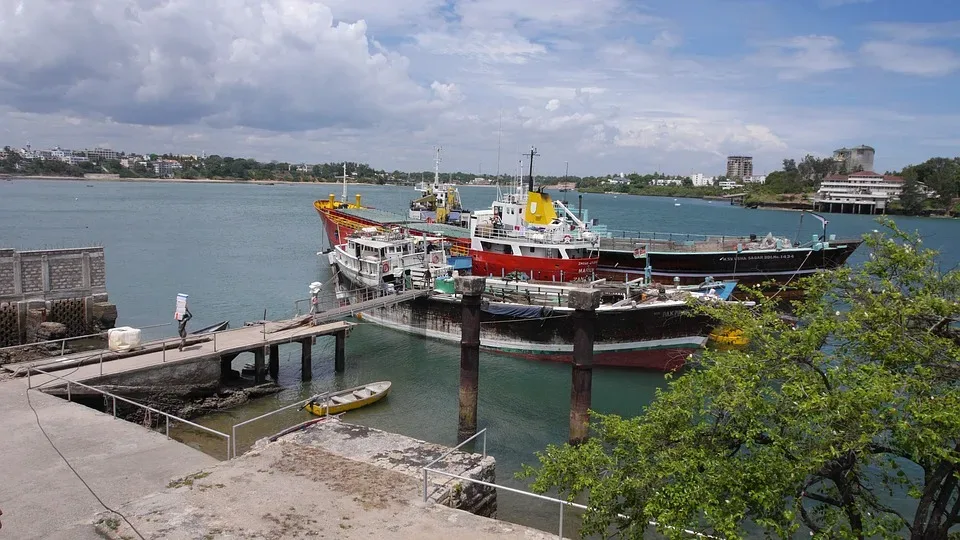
(470, 288)
(68, 391)
(167, 416)
(214, 342)
(29, 383)
(63, 346)
(114, 406)
(228, 448)
(584, 302)
(233, 437)
(163, 347)
(101, 363)
(484, 443)
(561, 520)
(424, 484)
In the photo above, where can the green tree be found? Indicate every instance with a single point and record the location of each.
(912, 199)
(827, 425)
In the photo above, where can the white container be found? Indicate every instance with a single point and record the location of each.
(123, 338)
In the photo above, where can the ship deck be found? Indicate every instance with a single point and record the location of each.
(391, 218)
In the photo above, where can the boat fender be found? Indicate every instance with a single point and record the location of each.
(567, 239)
(386, 267)
(435, 258)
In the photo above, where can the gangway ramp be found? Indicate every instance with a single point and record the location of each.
(371, 303)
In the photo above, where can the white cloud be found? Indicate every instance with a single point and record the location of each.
(906, 31)
(911, 59)
(838, 3)
(553, 105)
(481, 46)
(802, 56)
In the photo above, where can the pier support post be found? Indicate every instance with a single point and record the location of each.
(306, 360)
(471, 288)
(585, 303)
(274, 362)
(339, 360)
(258, 355)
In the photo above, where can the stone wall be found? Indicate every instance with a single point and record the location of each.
(52, 285)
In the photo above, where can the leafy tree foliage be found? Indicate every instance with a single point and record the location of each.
(942, 175)
(846, 425)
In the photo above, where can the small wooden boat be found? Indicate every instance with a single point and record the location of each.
(349, 399)
(222, 325)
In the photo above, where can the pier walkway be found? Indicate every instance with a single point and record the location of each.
(371, 303)
(221, 345)
(42, 498)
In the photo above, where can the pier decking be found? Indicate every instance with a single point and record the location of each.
(221, 346)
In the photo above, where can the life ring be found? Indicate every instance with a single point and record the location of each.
(435, 258)
(639, 252)
(386, 267)
(429, 220)
(567, 239)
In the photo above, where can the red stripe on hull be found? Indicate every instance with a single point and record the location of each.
(654, 359)
(486, 263)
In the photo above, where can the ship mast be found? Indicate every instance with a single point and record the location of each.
(533, 152)
(344, 196)
(436, 171)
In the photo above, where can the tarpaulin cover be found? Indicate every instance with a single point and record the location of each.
(517, 311)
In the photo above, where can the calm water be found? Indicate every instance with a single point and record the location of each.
(238, 250)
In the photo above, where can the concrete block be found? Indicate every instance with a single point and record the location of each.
(584, 299)
(469, 285)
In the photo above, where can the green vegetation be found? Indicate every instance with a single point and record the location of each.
(941, 175)
(188, 480)
(845, 426)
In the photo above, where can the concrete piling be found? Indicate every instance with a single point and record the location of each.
(339, 361)
(585, 303)
(258, 361)
(306, 360)
(471, 288)
(274, 362)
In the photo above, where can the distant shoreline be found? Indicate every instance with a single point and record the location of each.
(177, 180)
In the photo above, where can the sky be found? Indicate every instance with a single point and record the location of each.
(599, 86)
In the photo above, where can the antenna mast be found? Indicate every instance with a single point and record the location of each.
(344, 196)
(533, 152)
(436, 170)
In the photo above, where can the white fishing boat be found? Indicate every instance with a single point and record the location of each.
(372, 258)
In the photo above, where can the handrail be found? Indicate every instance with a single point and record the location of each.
(66, 339)
(262, 416)
(426, 470)
(115, 397)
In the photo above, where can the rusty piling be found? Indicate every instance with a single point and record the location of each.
(585, 303)
(471, 288)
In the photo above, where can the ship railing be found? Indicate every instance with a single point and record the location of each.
(427, 470)
(682, 242)
(551, 237)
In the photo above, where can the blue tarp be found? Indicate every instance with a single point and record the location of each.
(517, 311)
(461, 263)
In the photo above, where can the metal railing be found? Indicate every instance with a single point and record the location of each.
(563, 503)
(63, 341)
(115, 397)
(546, 236)
(233, 430)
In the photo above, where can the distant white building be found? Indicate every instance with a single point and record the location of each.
(700, 180)
(667, 182)
(729, 184)
(864, 192)
(98, 154)
(165, 168)
(755, 179)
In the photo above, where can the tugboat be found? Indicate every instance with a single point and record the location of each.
(439, 203)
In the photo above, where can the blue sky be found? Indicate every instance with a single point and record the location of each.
(606, 85)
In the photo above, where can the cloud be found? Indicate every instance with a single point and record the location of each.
(905, 31)
(481, 46)
(282, 65)
(802, 56)
(911, 59)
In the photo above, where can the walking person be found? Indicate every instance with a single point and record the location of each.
(182, 327)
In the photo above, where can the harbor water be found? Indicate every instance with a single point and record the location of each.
(240, 250)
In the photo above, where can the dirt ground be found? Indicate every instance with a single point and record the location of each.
(287, 490)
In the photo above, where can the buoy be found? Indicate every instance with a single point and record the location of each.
(435, 258)
(386, 267)
(567, 239)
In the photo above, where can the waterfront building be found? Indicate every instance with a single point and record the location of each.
(864, 192)
(755, 179)
(858, 158)
(739, 166)
(700, 180)
(101, 154)
(165, 168)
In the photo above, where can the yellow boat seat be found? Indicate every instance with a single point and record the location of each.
(360, 395)
(340, 400)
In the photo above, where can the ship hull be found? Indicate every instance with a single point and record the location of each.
(487, 263)
(749, 268)
(657, 337)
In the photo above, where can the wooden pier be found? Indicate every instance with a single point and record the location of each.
(263, 340)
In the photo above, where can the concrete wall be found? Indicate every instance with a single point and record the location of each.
(52, 285)
(183, 377)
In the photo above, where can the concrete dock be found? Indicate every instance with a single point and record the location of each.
(40, 496)
(293, 489)
(226, 344)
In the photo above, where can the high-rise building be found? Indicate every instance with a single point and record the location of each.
(858, 158)
(739, 166)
